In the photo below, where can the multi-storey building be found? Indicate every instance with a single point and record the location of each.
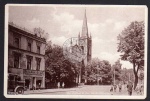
(26, 56)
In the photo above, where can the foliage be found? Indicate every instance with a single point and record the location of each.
(99, 72)
(57, 67)
(127, 75)
(116, 71)
(40, 33)
(141, 76)
(131, 45)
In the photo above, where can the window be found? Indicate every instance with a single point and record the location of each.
(38, 60)
(16, 42)
(16, 61)
(38, 44)
(29, 46)
(82, 49)
(29, 62)
(38, 49)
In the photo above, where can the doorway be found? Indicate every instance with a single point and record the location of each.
(27, 83)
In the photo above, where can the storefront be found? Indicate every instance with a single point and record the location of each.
(34, 78)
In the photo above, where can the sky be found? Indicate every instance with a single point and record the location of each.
(105, 23)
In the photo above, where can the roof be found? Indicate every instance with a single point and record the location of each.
(25, 32)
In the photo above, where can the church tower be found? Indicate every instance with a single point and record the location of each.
(85, 41)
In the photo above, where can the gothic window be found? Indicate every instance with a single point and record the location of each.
(16, 42)
(38, 61)
(16, 61)
(29, 62)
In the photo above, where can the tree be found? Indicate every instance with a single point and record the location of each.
(105, 72)
(40, 33)
(116, 71)
(141, 76)
(58, 69)
(127, 75)
(99, 72)
(131, 45)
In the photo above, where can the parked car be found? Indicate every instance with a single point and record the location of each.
(15, 84)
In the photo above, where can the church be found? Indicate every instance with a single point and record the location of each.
(85, 41)
(85, 44)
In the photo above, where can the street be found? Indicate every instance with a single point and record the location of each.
(85, 90)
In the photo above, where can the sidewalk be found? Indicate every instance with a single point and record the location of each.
(48, 90)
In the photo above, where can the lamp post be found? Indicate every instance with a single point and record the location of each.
(114, 76)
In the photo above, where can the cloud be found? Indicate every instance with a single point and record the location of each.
(61, 23)
(67, 24)
(34, 20)
(58, 40)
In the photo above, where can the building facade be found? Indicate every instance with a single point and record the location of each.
(26, 56)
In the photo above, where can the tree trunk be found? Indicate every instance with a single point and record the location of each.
(136, 80)
(135, 74)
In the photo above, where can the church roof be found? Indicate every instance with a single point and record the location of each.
(84, 27)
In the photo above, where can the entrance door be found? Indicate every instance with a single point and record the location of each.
(27, 83)
(38, 83)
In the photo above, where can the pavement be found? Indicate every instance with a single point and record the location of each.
(43, 91)
(85, 90)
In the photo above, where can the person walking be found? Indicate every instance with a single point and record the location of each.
(115, 87)
(39, 86)
(63, 84)
(120, 87)
(111, 89)
(34, 87)
(129, 88)
(58, 84)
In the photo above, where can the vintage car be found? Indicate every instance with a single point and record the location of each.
(15, 84)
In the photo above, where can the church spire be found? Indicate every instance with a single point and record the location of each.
(84, 27)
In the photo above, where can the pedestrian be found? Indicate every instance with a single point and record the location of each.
(120, 87)
(141, 89)
(129, 88)
(39, 86)
(111, 89)
(34, 87)
(58, 84)
(115, 87)
(63, 84)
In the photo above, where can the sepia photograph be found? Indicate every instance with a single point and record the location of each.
(75, 51)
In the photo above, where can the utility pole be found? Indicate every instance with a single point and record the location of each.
(114, 76)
